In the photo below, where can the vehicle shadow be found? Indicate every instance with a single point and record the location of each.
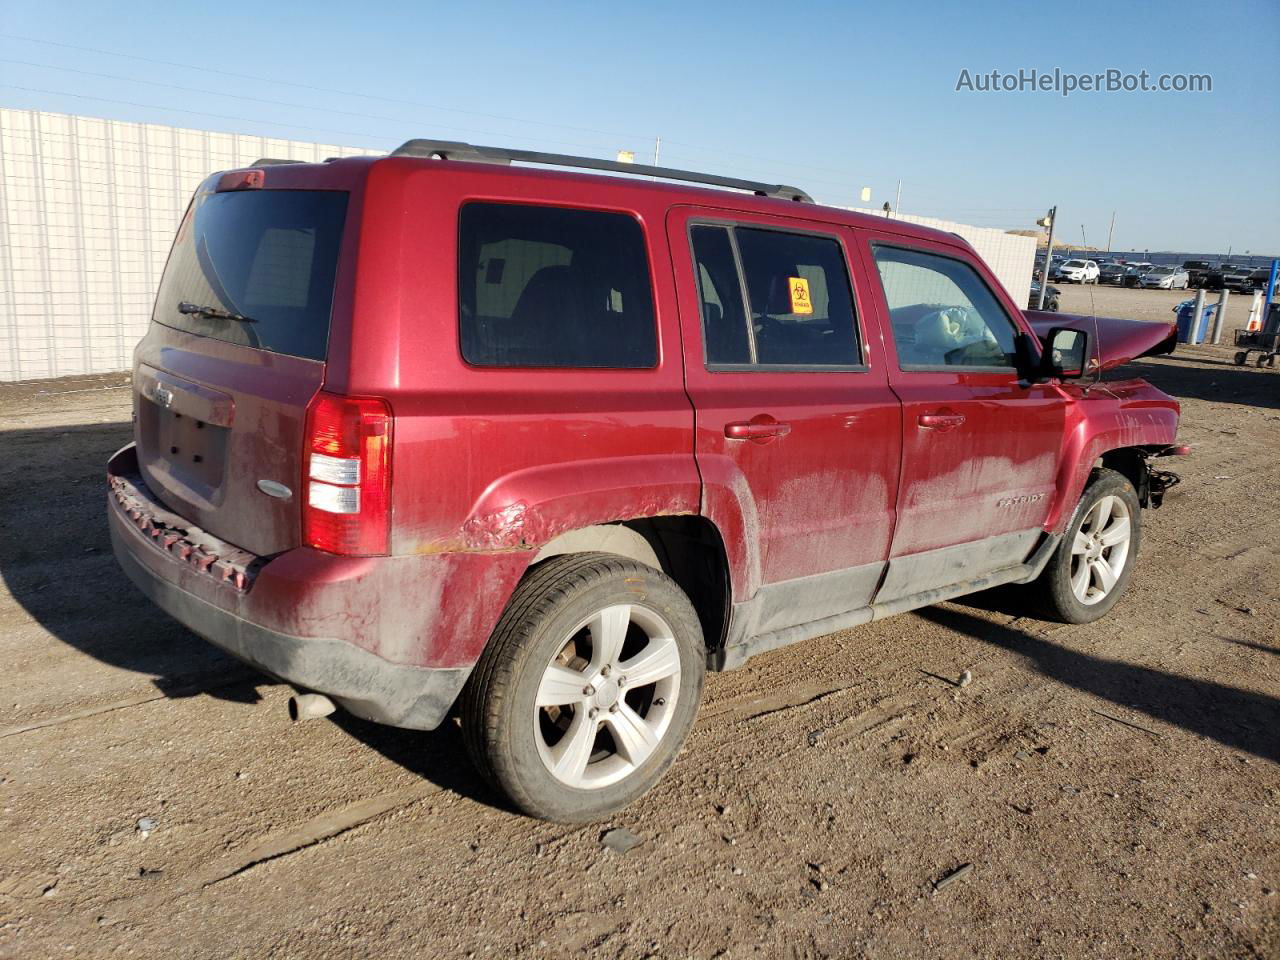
(1238, 719)
(56, 563)
(1211, 379)
(439, 756)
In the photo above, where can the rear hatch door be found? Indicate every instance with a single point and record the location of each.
(235, 352)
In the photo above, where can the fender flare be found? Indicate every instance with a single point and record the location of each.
(529, 509)
(728, 502)
(1103, 429)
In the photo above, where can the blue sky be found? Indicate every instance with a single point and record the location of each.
(831, 97)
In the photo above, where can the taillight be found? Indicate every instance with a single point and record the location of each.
(347, 475)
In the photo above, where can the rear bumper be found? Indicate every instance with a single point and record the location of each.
(215, 598)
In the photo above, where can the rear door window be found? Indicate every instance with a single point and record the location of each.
(553, 287)
(267, 256)
(771, 298)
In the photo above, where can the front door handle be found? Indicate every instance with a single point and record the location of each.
(941, 421)
(756, 430)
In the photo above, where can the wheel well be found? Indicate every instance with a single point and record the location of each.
(687, 549)
(1131, 462)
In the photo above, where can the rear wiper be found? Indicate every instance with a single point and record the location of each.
(214, 313)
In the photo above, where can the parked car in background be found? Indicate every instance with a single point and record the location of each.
(1055, 268)
(363, 461)
(1165, 278)
(1133, 273)
(1213, 279)
(1051, 295)
(1079, 271)
(1112, 273)
(1246, 279)
(1196, 269)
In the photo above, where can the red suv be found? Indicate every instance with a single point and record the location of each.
(433, 429)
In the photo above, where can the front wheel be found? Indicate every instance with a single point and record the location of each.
(587, 689)
(1093, 564)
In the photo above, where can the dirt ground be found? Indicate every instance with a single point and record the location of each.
(1112, 790)
(1108, 301)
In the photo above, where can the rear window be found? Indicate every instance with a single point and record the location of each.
(553, 287)
(268, 256)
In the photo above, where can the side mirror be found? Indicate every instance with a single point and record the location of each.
(1065, 354)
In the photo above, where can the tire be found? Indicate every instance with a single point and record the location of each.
(582, 756)
(1241, 358)
(1108, 492)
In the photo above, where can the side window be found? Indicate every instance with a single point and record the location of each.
(553, 287)
(943, 314)
(724, 322)
(798, 308)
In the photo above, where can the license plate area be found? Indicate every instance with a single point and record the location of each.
(195, 451)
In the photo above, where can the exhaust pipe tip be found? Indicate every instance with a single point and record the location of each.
(310, 706)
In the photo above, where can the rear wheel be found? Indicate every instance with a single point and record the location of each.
(587, 689)
(1093, 564)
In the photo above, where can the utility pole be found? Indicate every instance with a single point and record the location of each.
(657, 149)
(1112, 231)
(897, 200)
(1046, 221)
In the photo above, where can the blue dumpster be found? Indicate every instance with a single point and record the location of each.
(1184, 310)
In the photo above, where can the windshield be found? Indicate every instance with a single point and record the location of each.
(1162, 271)
(256, 267)
(1074, 263)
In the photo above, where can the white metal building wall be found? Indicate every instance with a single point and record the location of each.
(1010, 257)
(88, 208)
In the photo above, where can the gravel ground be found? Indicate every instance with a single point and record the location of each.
(1108, 301)
(1110, 790)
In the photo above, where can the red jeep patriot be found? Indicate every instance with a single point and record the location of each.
(433, 428)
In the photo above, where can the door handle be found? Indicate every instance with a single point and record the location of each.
(759, 432)
(941, 421)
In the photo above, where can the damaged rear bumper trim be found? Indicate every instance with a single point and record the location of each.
(361, 682)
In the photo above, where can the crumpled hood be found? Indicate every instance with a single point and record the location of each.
(1114, 341)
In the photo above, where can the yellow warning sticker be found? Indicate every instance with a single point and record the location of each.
(800, 302)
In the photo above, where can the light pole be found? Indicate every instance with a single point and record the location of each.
(1046, 221)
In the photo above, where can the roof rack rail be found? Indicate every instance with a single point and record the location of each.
(453, 150)
(272, 162)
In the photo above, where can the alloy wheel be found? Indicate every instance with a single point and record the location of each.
(607, 697)
(1100, 549)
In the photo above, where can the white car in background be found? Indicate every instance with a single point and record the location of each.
(1165, 278)
(1079, 271)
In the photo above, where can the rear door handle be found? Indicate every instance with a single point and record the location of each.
(941, 421)
(744, 430)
